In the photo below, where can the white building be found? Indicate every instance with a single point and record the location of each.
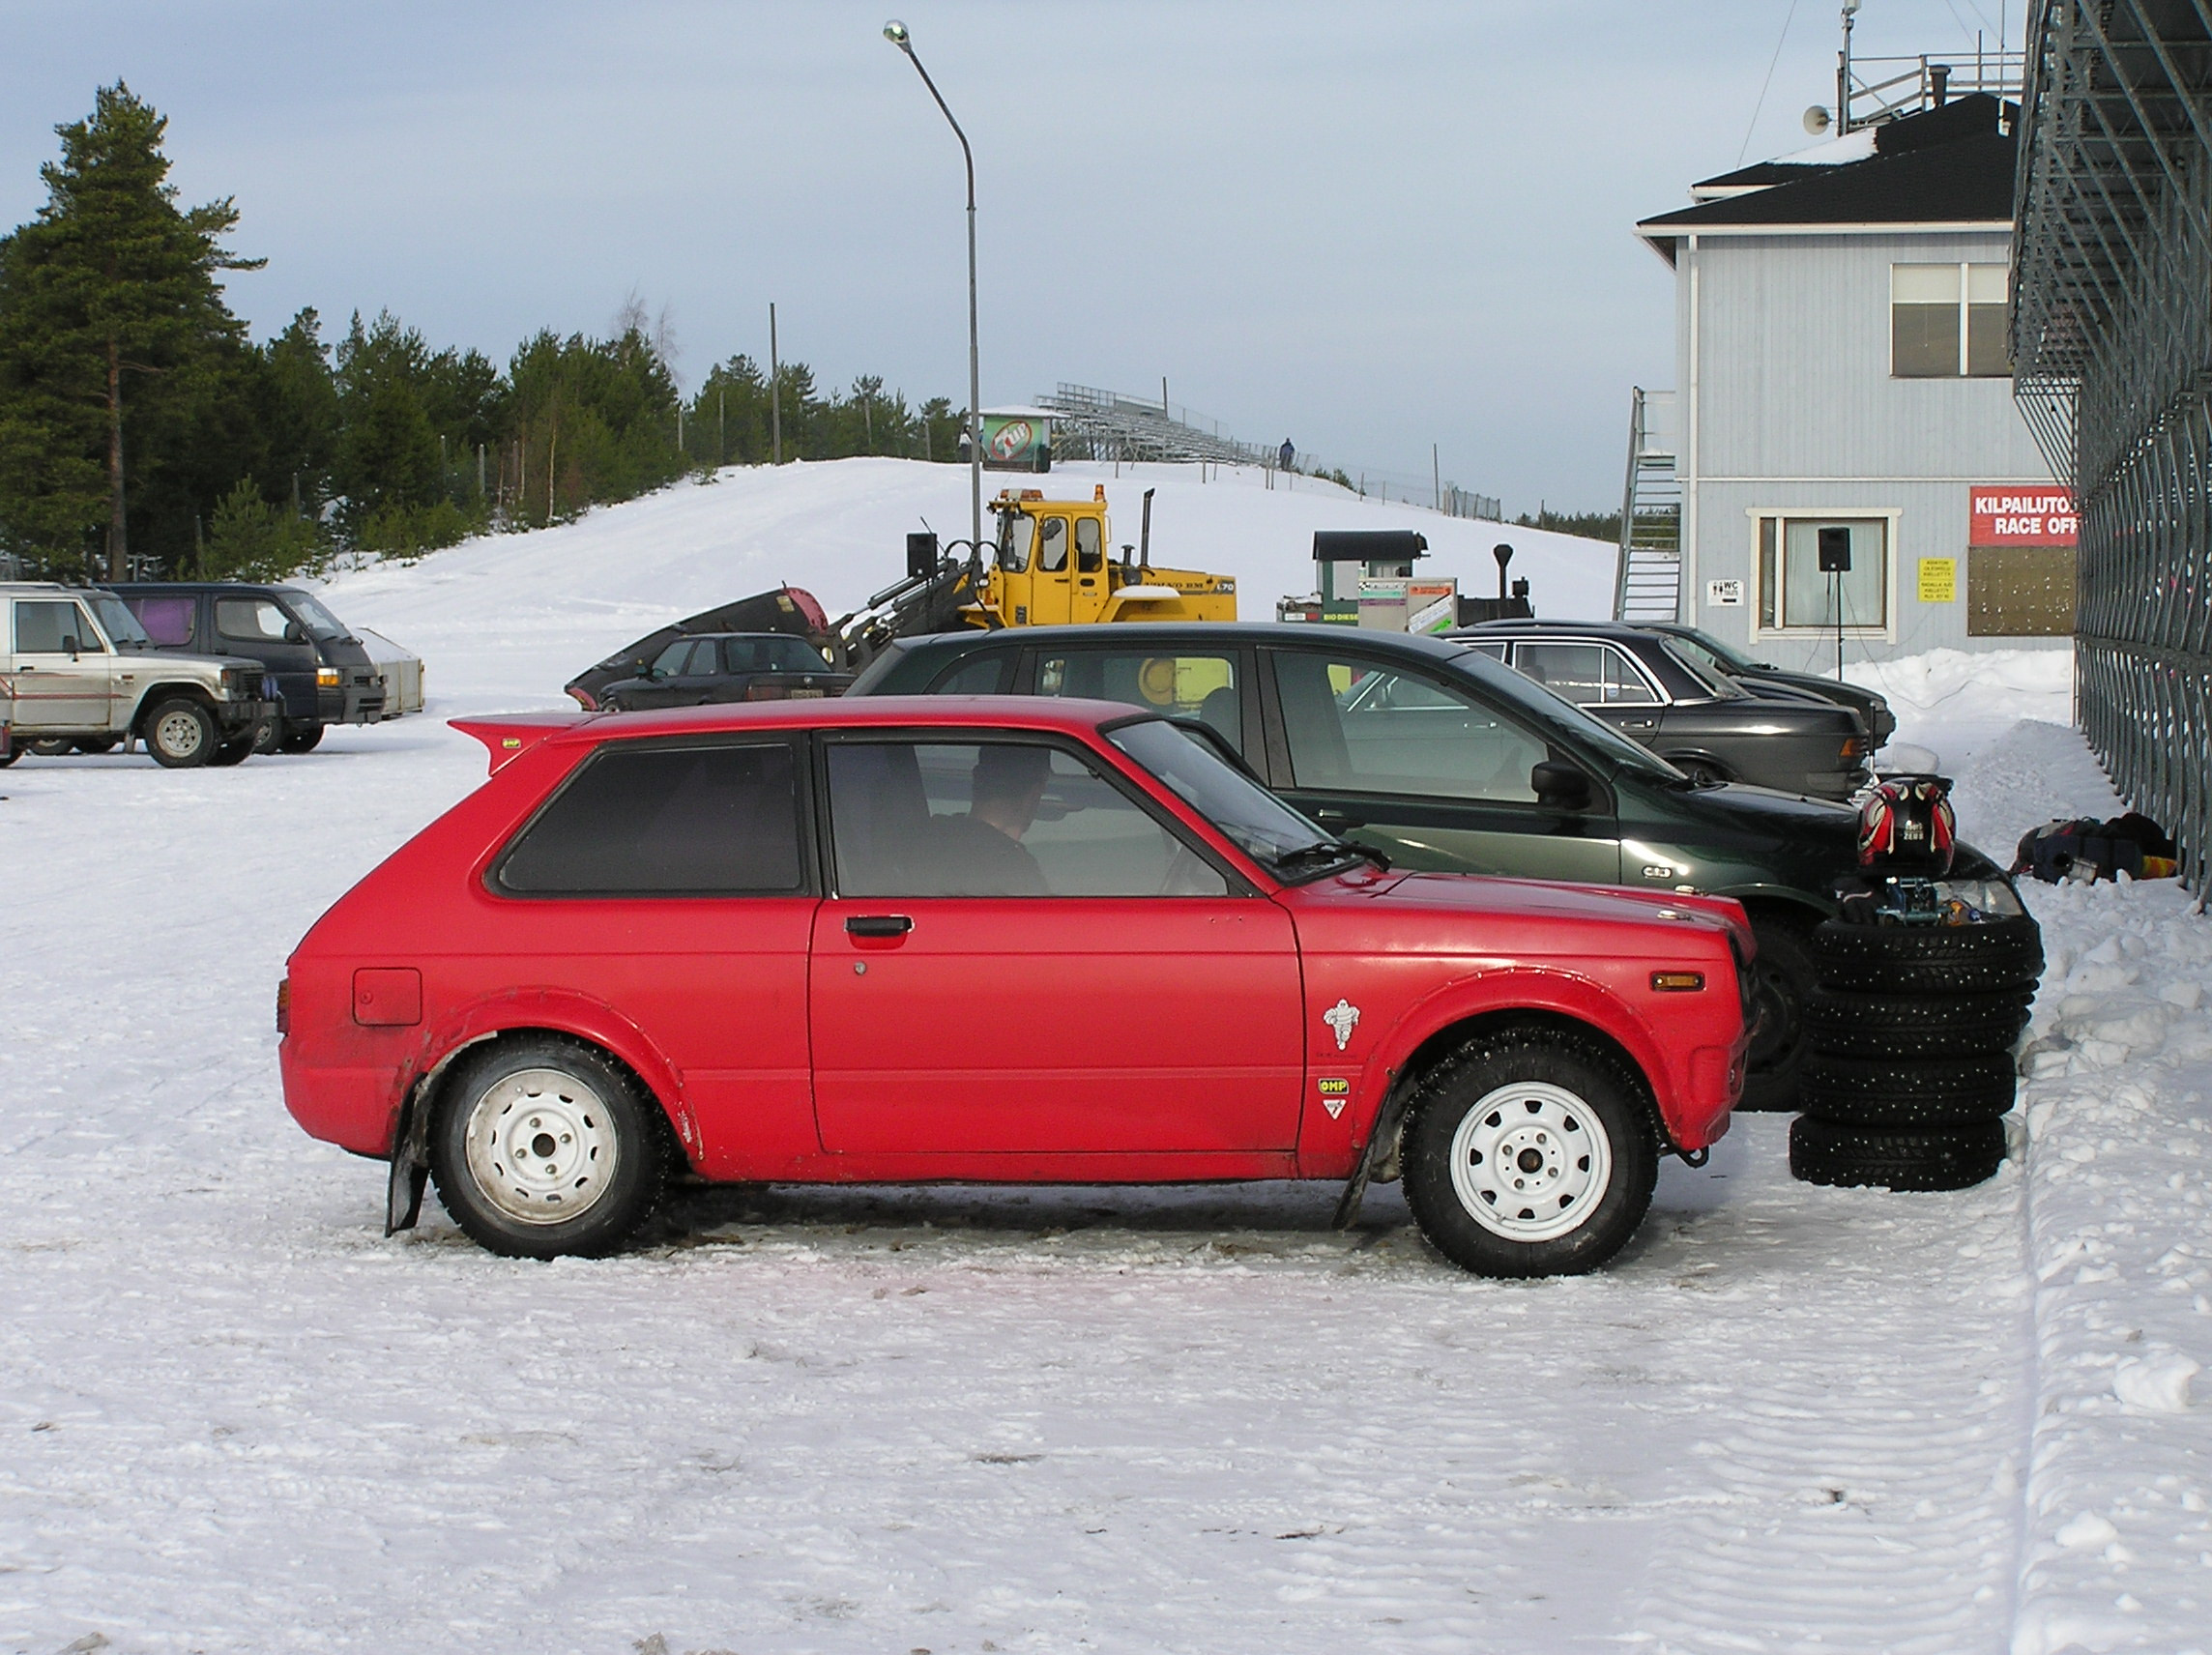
(1842, 357)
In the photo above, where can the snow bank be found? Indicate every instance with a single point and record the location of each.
(2117, 1540)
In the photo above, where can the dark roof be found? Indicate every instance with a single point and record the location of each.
(1942, 166)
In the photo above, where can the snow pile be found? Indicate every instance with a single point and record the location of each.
(506, 620)
(1956, 702)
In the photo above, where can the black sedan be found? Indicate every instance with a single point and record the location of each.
(1704, 723)
(1759, 678)
(726, 666)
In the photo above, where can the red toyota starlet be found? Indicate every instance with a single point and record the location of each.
(1010, 941)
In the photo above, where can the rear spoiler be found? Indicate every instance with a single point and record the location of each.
(506, 735)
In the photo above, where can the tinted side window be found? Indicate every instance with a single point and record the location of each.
(1052, 544)
(985, 675)
(1589, 674)
(42, 624)
(673, 661)
(996, 819)
(1201, 686)
(249, 620)
(166, 620)
(692, 821)
(1355, 726)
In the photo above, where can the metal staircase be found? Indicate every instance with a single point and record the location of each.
(1648, 583)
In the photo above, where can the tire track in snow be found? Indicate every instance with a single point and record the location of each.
(1871, 1484)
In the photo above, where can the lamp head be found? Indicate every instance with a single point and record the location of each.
(894, 31)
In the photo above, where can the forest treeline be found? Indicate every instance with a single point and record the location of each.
(143, 431)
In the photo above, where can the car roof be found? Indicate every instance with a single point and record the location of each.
(718, 637)
(1171, 632)
(1052, 714)
(1592, 628)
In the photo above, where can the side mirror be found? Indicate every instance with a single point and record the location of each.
(69, 643)
(1561, 785)
(294, 632)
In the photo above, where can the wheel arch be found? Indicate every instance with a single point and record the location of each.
(1380, 1159)
(167, 690)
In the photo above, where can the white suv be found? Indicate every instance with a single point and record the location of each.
(81, 674)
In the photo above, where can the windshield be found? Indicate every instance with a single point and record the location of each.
(121, 626)
(319, 621)
(1705, 645)
(1699, 666)
(1551, 712)
(1258, 823)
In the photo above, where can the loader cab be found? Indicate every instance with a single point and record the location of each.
(1051, 560)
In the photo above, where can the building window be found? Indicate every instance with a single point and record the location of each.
(1946, 320)
(1796, 594)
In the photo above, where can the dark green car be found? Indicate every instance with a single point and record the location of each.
(1445, 760)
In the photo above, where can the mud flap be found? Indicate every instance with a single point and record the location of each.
(410, 1167)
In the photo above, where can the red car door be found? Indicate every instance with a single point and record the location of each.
(1019, 956)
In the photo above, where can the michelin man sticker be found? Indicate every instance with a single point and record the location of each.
(1343, 1017)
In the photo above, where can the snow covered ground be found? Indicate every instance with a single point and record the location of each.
(234, 1417)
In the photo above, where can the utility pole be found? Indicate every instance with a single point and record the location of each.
(774, 395)
(1437, 475)
(721, 424)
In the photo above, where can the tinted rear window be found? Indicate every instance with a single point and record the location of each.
(690, 821)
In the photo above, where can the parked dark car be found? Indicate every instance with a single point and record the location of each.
(1757, 676)
(727, 666)
(1439, 756)
(788, 610)
(323, 674)
(1704, 724)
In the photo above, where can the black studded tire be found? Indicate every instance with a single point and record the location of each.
(1782, 980)
(1933, 959)
(53, 747)
(1908, 1092)
(1915, 1025)
(1529, 1152)
(300, 738)
(1944, 1158)
(543, 1148)
(180, 732)
(269, 735)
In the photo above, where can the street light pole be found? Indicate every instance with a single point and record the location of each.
(895, 32)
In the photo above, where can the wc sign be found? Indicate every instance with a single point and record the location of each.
(2022, 514)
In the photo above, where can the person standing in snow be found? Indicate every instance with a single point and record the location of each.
(1286, 454)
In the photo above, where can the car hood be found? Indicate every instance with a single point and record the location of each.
(1539, 914)
(1816, 830)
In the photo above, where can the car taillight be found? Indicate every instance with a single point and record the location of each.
(284, 1005)
(765, 692)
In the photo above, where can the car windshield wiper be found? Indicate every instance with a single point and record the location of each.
(1325, 854)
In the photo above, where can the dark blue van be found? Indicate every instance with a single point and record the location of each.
(323, 674)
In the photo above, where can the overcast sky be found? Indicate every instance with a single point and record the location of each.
(1368, 226)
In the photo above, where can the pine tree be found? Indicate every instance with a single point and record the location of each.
(112, 285)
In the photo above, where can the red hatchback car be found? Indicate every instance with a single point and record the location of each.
(1001, 940)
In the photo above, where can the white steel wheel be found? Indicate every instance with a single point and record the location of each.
(1529, 1161)
(542, 1147)
(1532, 1152)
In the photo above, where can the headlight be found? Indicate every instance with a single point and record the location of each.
(1980, 899)
(327, 678)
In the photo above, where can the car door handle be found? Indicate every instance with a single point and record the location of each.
(877, 926)
(1325, 813)
(1639, 723)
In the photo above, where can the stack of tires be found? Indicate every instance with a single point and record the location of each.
(1910, 1070)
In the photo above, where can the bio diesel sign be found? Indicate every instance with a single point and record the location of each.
(2022, 514)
